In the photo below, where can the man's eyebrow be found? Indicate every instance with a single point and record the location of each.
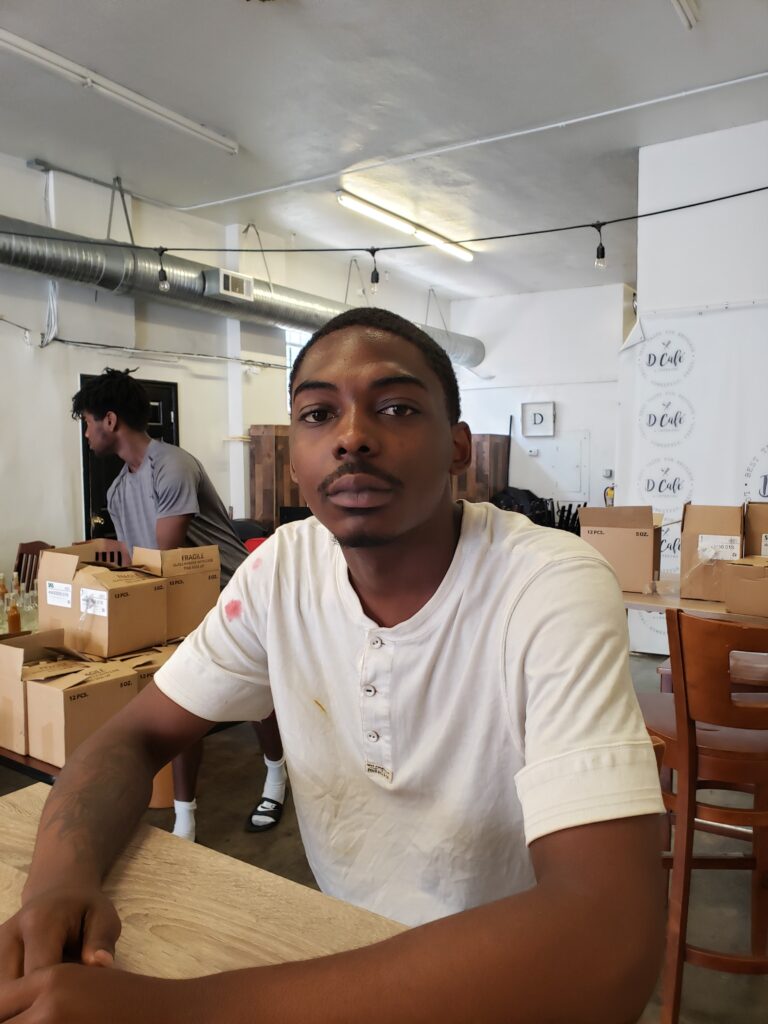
(380, 382)
(399, 378)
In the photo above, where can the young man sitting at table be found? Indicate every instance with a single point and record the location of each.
(464, 744)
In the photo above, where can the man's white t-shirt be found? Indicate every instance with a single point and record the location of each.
(426, 756)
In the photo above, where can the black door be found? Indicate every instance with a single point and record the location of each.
(98, 474)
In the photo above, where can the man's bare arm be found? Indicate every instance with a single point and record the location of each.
(93, 808)
(581, 947)
(171, 531)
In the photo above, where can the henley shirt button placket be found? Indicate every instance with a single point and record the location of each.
(372, 737)
(376, 642)
(369, 691)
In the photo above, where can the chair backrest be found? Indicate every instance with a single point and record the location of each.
(705, 665)
(111, 552)
(27, 559)
(249, 529)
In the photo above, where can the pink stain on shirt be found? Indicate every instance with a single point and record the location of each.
(256, 563)
(233, 610)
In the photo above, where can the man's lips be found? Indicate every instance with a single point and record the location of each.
(354, 483)
(359, 490)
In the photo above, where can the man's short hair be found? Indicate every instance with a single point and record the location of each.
(383, 320)
(113, 391)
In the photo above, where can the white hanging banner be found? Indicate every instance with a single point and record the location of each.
(693, 425)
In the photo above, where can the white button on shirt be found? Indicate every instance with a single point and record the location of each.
(506, 665)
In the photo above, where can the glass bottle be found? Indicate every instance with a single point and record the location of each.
(3, 588)
(15, 584)
(14, 616)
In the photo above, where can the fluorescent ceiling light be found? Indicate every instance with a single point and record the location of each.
(392, 220)
(687, 11)
(133, 100)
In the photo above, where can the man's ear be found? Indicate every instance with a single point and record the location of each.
(462, 448)
(292, 471)
(110, 421)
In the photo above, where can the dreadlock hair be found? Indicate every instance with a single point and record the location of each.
(382, 320)
(113, 391)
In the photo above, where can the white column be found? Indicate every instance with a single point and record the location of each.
(238, 450)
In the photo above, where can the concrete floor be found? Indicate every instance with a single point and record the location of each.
(230, 785)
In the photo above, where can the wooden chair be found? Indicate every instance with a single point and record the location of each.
(716, 738)
(27, 560)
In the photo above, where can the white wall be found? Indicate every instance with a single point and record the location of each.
(40, 461)
(548, 346)
(708, 255)
(691, 264)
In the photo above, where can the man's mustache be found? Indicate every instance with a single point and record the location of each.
(358, 466)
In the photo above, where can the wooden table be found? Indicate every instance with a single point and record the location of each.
(707, 609)
(189, 911)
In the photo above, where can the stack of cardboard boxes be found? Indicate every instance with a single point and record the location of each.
(104, 631)
(723, 555)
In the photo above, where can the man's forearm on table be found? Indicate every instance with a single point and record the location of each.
(535, 958)
(92, 810)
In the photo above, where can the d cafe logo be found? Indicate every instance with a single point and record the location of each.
(666, 358)
(670, 547)
(665, 483)
(756, 477)
(666, 419)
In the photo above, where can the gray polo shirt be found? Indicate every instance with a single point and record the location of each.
(171, 482)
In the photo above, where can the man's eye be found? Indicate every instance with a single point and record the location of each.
(398, 409)
(315, 416)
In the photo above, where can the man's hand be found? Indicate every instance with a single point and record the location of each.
(62, 923)
(69, 993)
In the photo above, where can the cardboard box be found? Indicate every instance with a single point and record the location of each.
(194, 581)
(68, 700)
(15, 654)
(756, 528)
(103, 611)
(145, 663)
(629, 537)
(745, 586)
(711, 535)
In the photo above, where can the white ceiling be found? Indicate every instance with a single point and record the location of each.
(322, 87)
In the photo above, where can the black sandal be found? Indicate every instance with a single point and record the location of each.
(271, 809)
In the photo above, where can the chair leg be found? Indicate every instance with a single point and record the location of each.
(760, 879)
(677, 910)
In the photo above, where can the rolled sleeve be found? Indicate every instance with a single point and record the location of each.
(587, 753)
(220, 672)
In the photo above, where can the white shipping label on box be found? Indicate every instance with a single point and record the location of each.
(764, 546)
(59, 594)
(716, 547)
(93, 602)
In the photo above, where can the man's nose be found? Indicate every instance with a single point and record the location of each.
(356, 435)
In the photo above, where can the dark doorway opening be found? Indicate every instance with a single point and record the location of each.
(98, 474)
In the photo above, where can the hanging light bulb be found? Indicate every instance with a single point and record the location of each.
(375, 277)
(600, 262)
(163, 284)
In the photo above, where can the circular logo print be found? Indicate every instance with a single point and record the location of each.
(666, 358)
(655, 621)
(756, 477)
(666, 419)
(665, 484)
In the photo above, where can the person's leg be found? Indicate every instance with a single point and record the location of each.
(185, 769)
(268, 811)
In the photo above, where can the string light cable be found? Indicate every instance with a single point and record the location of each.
(507, 236)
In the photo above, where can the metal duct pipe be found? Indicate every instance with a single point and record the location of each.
(131, 271)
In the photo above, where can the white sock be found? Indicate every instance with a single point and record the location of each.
(274, 789)
(277, 777)
(184, 826)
